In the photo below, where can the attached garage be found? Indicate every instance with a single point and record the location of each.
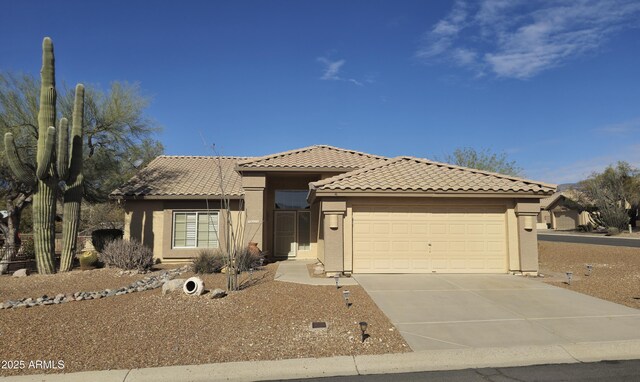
(566, 220)
(429, 238)
(411, 215)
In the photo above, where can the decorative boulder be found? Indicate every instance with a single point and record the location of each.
(218, 293)
(172, 285)
(21, 273)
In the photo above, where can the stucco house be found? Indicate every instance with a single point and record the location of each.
(354, 212)
(562, 212)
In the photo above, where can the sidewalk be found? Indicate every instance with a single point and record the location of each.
(431, 360)
(295, 271)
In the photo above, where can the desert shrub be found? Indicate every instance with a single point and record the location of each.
(87, 259)
(127, 255)
(101, 237)
(612, 231)
(208, 261)
(28, 248)
(585, 227)
(248, 259)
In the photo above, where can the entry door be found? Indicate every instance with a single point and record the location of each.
(285, 234)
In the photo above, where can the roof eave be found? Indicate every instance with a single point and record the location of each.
(174, 197)
(313, 194)
(296, 169)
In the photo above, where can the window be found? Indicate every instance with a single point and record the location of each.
(291, 200)
(304, 223)
(195, 230)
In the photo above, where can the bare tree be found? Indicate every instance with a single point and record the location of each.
(118, 139)
(613, 193)
(484, 160)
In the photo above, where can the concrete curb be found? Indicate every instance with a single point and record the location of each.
(588, 235)
(432, 360)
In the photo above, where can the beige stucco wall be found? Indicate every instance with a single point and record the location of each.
(522, 253)
(527, 210)
(253, 185)
(513, 241)
(333, 213)
(151, 222)
(140, 221)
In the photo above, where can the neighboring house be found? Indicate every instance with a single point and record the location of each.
(355, 212)
(561, 212)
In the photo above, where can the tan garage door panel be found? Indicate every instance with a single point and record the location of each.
(566, 220)
(424, 239)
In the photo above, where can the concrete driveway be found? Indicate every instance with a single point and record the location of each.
(473, 311)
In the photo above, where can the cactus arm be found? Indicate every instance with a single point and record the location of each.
(47, 72)
(42, 171)
(75, 151)
(62, 152)
(74, 190)
(21, 171)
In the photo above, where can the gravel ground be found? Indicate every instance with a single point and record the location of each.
(267, 320)
(615, 276)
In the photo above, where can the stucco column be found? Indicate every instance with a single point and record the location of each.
(526, 212)
(333, 212)
(253, 185)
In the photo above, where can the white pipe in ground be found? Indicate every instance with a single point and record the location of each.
(194, 286)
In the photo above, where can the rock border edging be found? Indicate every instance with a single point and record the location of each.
(147, 283)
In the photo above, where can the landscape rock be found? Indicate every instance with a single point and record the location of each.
(218, 293)
(172, 285)
(21, 273)
(148, 283)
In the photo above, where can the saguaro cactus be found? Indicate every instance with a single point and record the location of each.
(69, 167)
(45, 178)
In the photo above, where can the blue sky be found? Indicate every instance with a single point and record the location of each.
(553, 84)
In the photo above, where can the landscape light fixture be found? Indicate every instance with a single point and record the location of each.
(337, 278)
(569, 277)
(589, 269)
(346, 295)
(363, 329)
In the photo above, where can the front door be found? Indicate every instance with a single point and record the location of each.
(291, 232)
(285, 234)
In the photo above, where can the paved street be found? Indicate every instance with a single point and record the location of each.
(585, 239)
(614, 371)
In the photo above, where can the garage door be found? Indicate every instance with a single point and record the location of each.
(426, 239)
(566, 220)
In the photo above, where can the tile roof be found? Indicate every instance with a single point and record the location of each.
(182, 176)
(415, 174)
(571, 194)
(312, 157)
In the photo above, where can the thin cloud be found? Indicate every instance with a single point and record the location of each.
(626, 127)
(520, 39)
(332, 69)
(582, 168)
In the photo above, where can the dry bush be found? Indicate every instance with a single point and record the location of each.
(208, 261)
(127, 255)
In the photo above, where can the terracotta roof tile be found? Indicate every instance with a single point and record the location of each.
(194, 176)
(571, 194)
(415, 174)
(319, 156)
